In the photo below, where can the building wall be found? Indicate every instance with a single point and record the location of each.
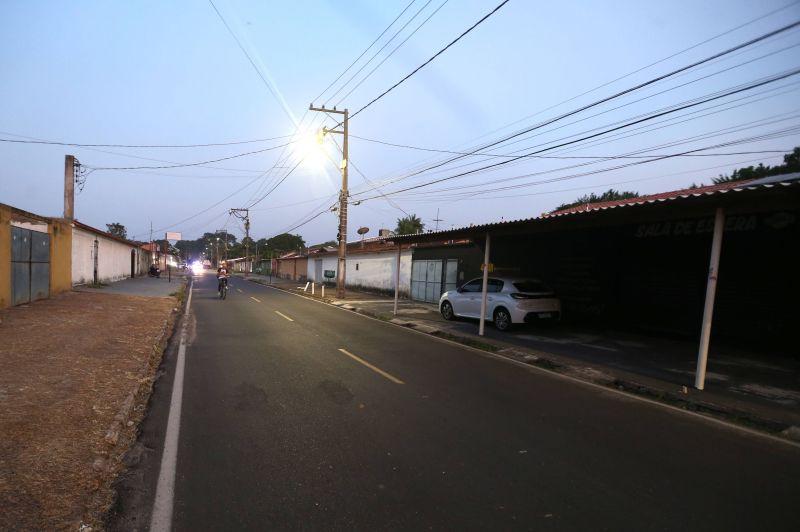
(114, 258)
(60, 256)
(328, 263)
(378, 271)
(5, 256)
(369, 271)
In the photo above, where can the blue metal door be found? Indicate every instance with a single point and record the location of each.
(30, 265)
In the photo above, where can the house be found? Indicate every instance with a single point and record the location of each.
(98, 256)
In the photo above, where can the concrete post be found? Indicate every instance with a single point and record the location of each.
(711, 290)
(397, 280)
(485, 285)
(69, 187)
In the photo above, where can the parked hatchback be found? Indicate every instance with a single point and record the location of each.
(509, 300)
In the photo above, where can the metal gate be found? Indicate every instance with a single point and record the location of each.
(30, 265)
(427, 283)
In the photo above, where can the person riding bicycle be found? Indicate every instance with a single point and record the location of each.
(222, 276)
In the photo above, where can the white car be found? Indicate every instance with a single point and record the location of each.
(509, 300)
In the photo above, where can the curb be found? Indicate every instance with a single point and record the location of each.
(543, 360)
(106, 463)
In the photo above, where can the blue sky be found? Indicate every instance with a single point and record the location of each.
(170, 73)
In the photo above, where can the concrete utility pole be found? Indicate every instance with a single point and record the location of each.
(246, 217)
(343, 195)
(69, 187)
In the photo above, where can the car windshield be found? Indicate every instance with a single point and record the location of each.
(531, 286)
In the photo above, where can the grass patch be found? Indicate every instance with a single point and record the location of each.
(97, 285)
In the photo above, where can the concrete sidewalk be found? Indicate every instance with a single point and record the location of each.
(142, 286)
(742, 386)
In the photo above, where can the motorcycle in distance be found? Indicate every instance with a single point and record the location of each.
(154, 271)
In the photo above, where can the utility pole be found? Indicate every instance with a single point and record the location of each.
(343, 195)
(244, 214)
(437, 220)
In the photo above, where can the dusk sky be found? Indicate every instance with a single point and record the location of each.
(171, 73)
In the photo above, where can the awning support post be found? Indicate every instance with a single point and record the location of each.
(711, 290)
(397, 280)
(485, 284)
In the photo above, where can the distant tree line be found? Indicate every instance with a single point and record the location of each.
(791, 164)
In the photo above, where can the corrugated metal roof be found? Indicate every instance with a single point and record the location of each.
(687, 193)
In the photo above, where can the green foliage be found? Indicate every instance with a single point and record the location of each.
(117, 229)
(609, 195)
(409, 225)
(791, 164)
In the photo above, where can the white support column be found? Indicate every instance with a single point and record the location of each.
(397, 280)
(711, 290)
(485, 284)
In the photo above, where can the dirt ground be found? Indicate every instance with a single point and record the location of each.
(68, 365)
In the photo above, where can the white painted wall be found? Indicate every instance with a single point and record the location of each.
(328, 263)
(373, 271)
(114, 258)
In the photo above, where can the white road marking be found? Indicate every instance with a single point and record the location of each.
(255, 299)
(373, 368)
(282, 315)
(161, 519)
(239, 290)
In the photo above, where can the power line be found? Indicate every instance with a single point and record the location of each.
(390, 54)
(614, 96)
(437, 54)
(83, 145)
(365, 51)
(357, 72)
(182, 165)
(729, 93)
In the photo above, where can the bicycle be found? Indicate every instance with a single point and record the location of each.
(223, 288)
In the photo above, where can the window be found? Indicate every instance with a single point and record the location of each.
(474, 285)
(495, 285)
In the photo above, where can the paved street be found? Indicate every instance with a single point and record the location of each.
(300, 415)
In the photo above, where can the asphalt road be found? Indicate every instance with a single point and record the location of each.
(301, 416)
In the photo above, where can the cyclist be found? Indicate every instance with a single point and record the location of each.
(222, 276)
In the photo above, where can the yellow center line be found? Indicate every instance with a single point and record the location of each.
(282, 315)
(373, 368)
(256, 300)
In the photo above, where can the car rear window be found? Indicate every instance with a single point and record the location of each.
(531, 286)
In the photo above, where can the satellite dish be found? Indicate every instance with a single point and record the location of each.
(363, 230)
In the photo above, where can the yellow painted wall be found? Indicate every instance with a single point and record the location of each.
(60, 256)
(5, 256)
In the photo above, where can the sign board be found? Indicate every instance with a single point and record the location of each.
(491, 267)
(173, 236)
(330, 274)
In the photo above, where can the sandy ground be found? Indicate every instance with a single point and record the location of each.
(68, 364)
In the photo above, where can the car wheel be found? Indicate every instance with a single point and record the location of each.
(502, 319)
(447, 311)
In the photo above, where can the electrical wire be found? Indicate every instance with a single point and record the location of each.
(83, 145)
(618, 94)
(393, 37)
(182, 165)
(390, 54)
(437, 54)
(365, 51)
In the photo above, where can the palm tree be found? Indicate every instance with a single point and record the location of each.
(409, 225)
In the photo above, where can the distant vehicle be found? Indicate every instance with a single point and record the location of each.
(509, 301)
(207, 264)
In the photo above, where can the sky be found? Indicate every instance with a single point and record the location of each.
(540, 103)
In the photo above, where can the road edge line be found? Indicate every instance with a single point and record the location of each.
(163, 503)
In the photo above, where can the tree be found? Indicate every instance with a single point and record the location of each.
(791, 163)
(409, 225)
(286, 242)
(609, 195)
(117, 229)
